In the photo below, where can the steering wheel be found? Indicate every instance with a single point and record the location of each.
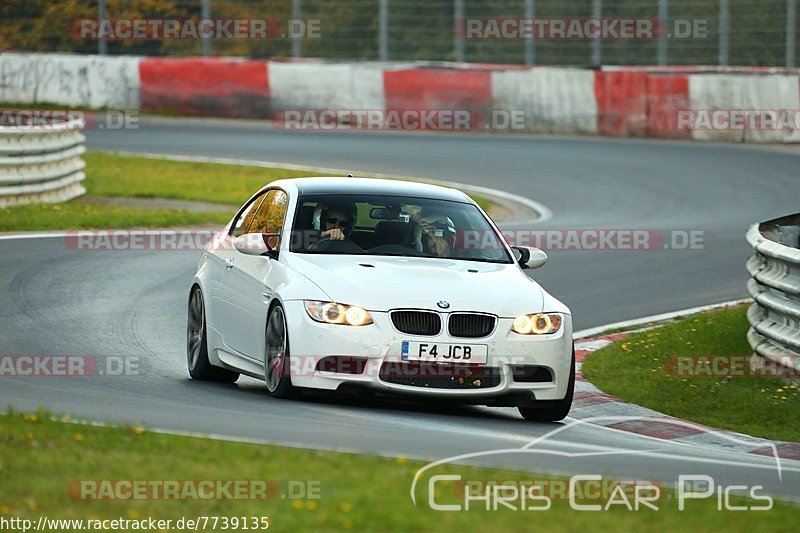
(329, 245)
(396, 249)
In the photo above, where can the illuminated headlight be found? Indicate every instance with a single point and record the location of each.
(336, 313)
(538, 324)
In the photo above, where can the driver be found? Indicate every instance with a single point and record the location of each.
(335, 220)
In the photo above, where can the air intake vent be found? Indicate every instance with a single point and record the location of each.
(531, 374)
(417, 322)
(436, 376)
(470, 325)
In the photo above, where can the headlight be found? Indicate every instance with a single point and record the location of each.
(538, 324)
(335, 313)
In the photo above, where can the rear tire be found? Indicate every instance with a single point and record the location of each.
(200, 367)
(552, 410)
(277, 373)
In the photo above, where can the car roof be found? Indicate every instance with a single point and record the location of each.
(375, 186)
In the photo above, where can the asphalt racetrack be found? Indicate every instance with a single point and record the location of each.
(133, 304)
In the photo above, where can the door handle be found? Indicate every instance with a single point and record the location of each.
(229, 264)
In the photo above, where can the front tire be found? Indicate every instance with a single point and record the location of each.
(197, 345)
(277, 373)
(552, 410)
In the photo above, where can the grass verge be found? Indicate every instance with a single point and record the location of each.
(113, 175)
(78, 214)
(645, 369)
(42, 461)
(110, 174)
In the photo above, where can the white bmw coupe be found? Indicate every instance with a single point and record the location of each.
(398, 287)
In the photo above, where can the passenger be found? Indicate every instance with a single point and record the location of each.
(436, 235)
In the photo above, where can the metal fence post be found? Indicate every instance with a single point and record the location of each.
(206, 14)
(297, 43)
(724, 10)
(102, 45)
(530, 44)
(663, 15)
(458, 41)
(383, 30)
(791, 28)
(596, 43)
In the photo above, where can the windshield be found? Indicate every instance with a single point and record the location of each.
(395, 226)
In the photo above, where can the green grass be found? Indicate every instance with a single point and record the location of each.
(78, 214)
(111, 174)
(115, 175)
(40, 458)
(142, 177)
(641, 369)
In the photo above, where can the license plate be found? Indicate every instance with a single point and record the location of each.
(445, 353)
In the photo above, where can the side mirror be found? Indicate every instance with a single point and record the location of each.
(258, 244)
(529, 257)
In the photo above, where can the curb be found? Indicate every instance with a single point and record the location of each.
(592, 403)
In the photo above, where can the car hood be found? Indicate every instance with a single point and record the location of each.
(381, 283)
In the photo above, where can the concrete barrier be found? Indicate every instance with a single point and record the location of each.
(555, 100)
(322, 86)
(41, 164)
(70, 80)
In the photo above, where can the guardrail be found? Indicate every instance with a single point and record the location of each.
(774, 284)
(41, 163)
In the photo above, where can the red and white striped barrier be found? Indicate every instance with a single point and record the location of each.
(205, 87)
(700, 103)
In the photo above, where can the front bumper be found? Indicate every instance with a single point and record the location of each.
(379, 344)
